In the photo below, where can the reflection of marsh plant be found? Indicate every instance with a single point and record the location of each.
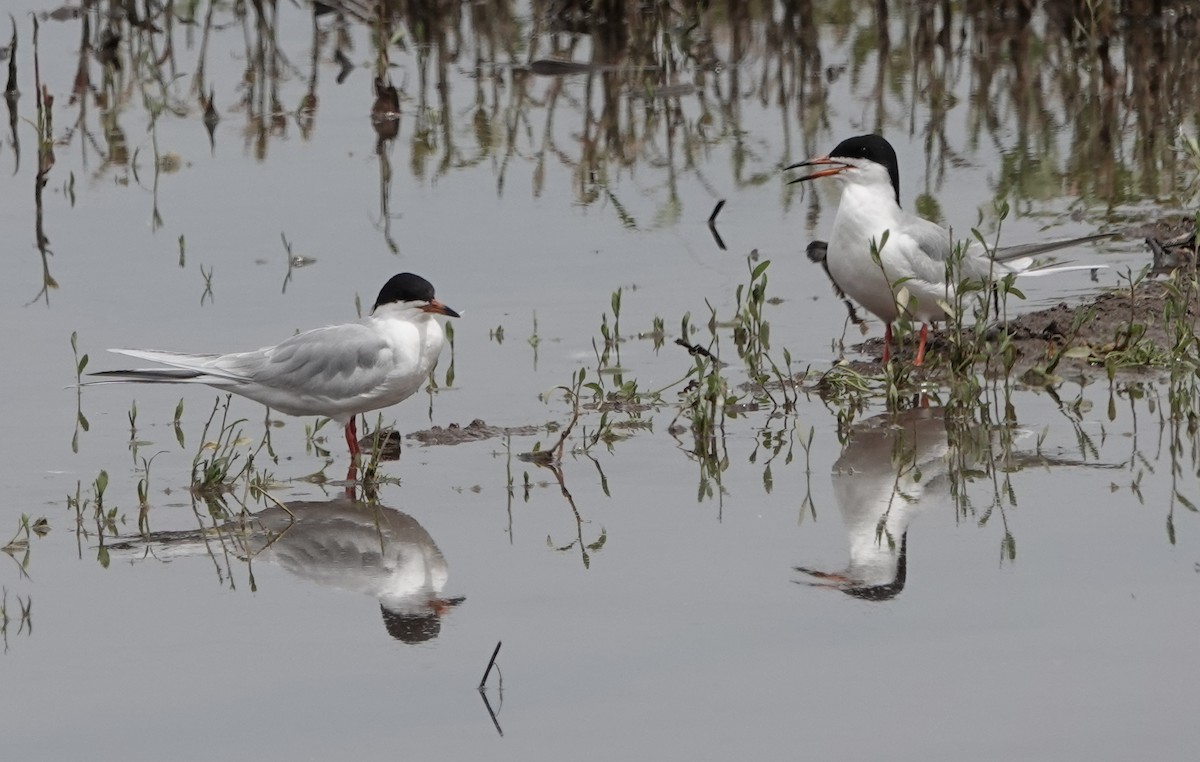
(25, 624)
(979, 449)
(551, 458)
(1189, 147)
(81, 421)
(20, 542)
(92, 506)
(705, 401)
(612, 340)
(573, 395)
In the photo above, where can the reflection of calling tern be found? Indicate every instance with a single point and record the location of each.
(338, 371)
(343, 544)
(880, 483)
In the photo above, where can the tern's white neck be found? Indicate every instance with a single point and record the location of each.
(868, 206)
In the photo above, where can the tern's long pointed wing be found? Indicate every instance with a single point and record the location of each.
(184, 367)
(936, 242)
(1006, 253)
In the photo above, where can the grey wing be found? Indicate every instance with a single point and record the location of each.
(933, 239)
(337, 362)
(934, 242)
(937, 243)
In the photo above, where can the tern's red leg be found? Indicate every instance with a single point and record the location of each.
(352, 437)
(887, 343)
(921, 344)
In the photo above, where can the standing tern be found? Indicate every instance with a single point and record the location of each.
(337, 371)
(912, 252)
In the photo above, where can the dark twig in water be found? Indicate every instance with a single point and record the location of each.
(712, 218)
(10, 89)
(491, 713)
(712, 224)
(696, 349)
(491, 663)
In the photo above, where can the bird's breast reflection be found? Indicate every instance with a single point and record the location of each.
(892, 466)
(343, 544)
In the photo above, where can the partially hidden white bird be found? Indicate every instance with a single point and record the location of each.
(337, 371)
(912, 252)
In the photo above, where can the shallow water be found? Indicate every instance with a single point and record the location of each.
(651, 603)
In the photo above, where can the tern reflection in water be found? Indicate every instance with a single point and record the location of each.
(341, 543)
(892, 467)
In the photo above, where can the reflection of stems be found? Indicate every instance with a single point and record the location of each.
(202, 55)
(45, 122)
(11, 95)
(556, 469)
(81, 422)
(385, 191)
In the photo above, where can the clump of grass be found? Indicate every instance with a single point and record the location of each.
(20, 543)
(213, 465)
(752, 337)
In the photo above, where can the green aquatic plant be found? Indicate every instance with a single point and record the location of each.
(21, 541)
(534, 340)
(213, 466)
(657, 333)
(752, 338)
(81, 421)
(91, 506)
(177, 423)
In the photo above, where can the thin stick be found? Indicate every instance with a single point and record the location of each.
(696, 349)
(712, 224)
(713, 217)
(491, 663)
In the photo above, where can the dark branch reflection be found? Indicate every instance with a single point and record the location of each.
(597, 88)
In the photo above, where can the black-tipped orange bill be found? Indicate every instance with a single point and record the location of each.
(442, 606)
(834, 168)
(833, 577)
(438, 308)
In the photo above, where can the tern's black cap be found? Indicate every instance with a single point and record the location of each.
(873, 148)
(404, 287)
(411, 628)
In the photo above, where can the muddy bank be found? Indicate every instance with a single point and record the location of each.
(1131, 329)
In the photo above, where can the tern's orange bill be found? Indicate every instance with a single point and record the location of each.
(834, 167)
(438, 308)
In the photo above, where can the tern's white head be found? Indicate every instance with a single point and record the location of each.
(408, 293)
(866, 160)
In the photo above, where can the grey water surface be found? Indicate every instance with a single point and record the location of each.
(1013, 579)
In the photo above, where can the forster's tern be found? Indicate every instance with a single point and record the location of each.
(337, 371)
(912, 252)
